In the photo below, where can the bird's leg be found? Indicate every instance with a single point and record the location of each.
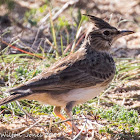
(57, 110)
(68, 110)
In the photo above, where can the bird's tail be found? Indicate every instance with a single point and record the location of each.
(15, 96)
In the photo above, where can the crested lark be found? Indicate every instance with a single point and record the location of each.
(76, 78)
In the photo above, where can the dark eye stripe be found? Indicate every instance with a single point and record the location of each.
(118, 32)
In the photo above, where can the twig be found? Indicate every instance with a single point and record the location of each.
(65, 121)
(62, 122)
(97, 124)
(75, 138)
(30, 127)
(67, 48)
(45, 18)
(18, 104)
(36, 37)
(21, 49)
(59, 122)
(2, 111)
(80, 40)
(70, 45)
(65, 6)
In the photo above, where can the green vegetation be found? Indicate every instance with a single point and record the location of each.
(9, 3)
(119, 118)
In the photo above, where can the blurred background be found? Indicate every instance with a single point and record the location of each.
(22, 19)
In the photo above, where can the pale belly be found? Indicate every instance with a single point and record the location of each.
(83, 94)
(80, 95)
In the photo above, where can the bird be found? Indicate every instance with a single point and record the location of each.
(76, 78)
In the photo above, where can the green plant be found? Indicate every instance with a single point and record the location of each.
(9, 4)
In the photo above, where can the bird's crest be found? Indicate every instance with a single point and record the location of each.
(99, 23)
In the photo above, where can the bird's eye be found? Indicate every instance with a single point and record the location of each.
(106, 33)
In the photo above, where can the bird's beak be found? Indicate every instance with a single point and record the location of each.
(125, 32)
(122, 33)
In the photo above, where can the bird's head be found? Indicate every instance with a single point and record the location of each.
(104, 35)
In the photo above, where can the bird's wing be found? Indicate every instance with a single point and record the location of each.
(74, 71)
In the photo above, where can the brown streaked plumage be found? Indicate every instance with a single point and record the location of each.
(78, 77)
